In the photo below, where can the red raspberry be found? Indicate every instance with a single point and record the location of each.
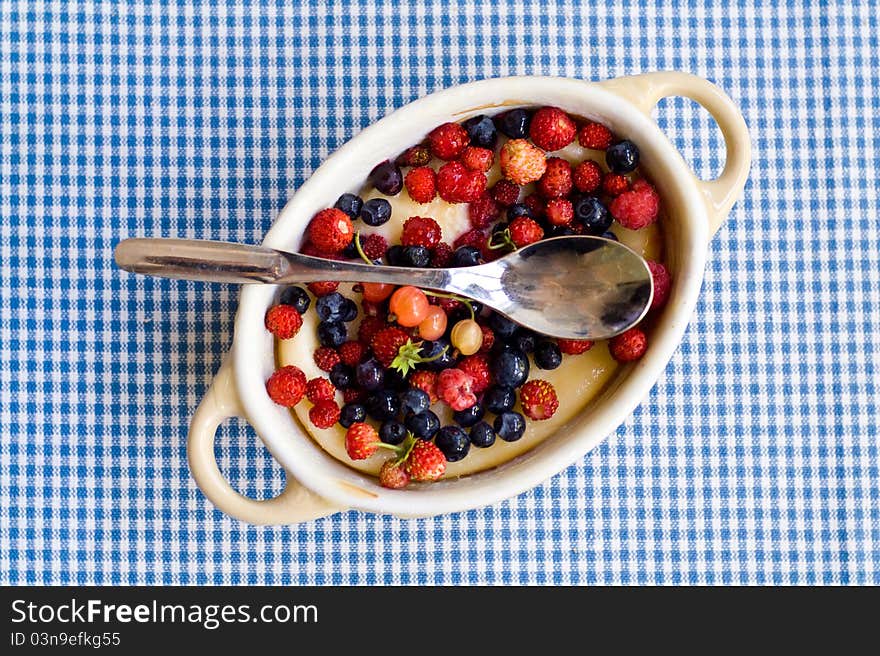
(615, 184)
(283, 321)
(552, 129)
(425, 381)
(323, 288)
(393, 475)
(326, 358)
(449, 305)
(538, 399)
(353, 395)
(455, 388)
(421, 231)
(330, 230)
(440, 256)
(421, 184)
(587, 177)
(448, 140)
(662, 284)
(351, 353)
(628, 346)
(483, 211)
(458, 184)
(320, 389)
(324, 414)
(475, 238)
(414, 156)
(522, 162)
(477, 367)
(556, 181)
(387, 342)
(477, 159)
(426, 462)
(560, 212)
(286, 386)
(595, 136)
(488, 339)
(574, 346)
(637, 208)
(368, 328)
(361, 441)
(374, 246)
(535, 204)
(525, 231)
(505, 192)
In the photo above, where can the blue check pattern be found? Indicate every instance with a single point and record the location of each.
(753, 461)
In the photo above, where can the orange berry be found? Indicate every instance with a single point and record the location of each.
(467, 336)
(376, 292)
(410, 305)
(434, 325)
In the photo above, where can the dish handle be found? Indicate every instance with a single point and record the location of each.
(645, 91)
(294, 504)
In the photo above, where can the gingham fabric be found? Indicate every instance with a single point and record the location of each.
(753, 461)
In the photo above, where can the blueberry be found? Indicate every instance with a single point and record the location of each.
(469, 416)
(332, 333)
(519, 209)
(376, 212)
(514, 123)
(524, 340)
(503, 327)
(453, 442)
(592, 214)
(351, 204)
(510, 426)
(510, 368)
(352, 413)
(499, 399)
(481, 131)
(383, 405)
(622, 157)
(329, 307)
(415, 256)
(387, 178)
(350, 251)
(297, 297)
(392, 432)
(423, 425)
(465, 256)
(342, 376)
(415, 401)
(560, 231)
(394, 380)
(431, 348)
(462, 312)
(349, 310)
(394, 255)
(482, 435)
(609, 235)
(547, 355)
(500, 227)
(370, 375)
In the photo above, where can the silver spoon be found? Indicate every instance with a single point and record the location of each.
(567, 287)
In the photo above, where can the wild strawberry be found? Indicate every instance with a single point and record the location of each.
(552, 129)
(421, 231)
(522, 162)
(448, 140)
(477, 159)
(286, 386)
(574, 346)
(662, 284)
(535, 204)
(368, 328)
(615, 184)
(421, 184)
(538, 399)
(477, 367)
(556, 181)
(505, 192)
(636, 208)
(455, 388)
(351, 353)
(374, 246)
(387, 342)
(587, 176)
(320, 389)
(393, 475)
(283, 321)
(326, 358)
(426, 462)
(330, 230)
(310, 249)
(559, 212)
(475, 238)
(483, 211)
(440, 256)
(323, 288)
(628, 346)
(414, 156)
(488, 339)
(324, 414)
(425, 381)
(361, 441)
(525, 231)
(595, 136)
(458, 184)
(353, 395)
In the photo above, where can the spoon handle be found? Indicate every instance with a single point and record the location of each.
(218, 261)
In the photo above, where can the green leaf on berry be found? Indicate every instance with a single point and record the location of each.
(409, 355)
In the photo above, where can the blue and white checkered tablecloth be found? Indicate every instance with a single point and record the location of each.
(754, 460)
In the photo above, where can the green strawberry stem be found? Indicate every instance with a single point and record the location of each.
(454, 297)
(357, 246)
(506, 242)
